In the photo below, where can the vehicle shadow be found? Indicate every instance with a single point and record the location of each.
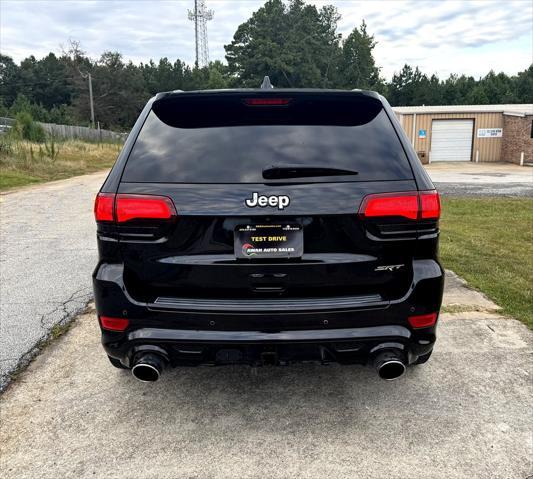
(293, 399)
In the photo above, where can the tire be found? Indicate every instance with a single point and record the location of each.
(423, 358)
(116, 363)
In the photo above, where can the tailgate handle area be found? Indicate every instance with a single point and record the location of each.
(268, 282)
(277, 276)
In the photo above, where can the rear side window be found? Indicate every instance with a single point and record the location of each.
(221, 138)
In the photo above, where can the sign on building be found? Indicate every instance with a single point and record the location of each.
(489, 132)
(422, 133)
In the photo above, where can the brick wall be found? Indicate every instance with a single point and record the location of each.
(517, 138)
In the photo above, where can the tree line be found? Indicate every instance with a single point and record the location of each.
(296, 44)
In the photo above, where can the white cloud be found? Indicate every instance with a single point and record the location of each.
(440, 37)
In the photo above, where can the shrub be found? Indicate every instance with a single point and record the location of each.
(51, 149)
(27, 129)
(6, 145)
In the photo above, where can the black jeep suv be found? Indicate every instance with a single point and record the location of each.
(267, 227)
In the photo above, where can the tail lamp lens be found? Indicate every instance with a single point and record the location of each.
(390, 204)
(411, 205)
(114, 324)
(429, 205)
(122, 207)
(130, 207)
(423, 320)
(104, 205)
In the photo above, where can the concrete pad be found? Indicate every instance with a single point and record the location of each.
(470, 172)
(481, 179)
(464, 414)
(457, 294)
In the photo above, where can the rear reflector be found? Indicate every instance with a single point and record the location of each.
(122, 208)
(422, 321)
(411, 205)
(104, 206)
(114, 324)
(267, 101)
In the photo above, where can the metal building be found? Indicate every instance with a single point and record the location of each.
(470, 132)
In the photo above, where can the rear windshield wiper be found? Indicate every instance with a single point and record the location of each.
(278, 172)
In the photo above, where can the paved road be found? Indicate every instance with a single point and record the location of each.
(47, 253)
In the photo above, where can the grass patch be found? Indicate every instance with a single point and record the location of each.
(23, 162)
(489, 242)
(12, 179)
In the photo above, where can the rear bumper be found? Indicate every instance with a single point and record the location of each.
(345, 330)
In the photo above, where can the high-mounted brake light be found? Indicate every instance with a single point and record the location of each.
(267, 101)
(423, 320)
(123, 207)
(114, 324)
(411, 205)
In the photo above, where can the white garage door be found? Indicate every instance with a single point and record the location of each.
(451, 140)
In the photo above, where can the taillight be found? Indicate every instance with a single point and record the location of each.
(390, 204)
(267, 101)
(123, 207)
(130, 207)
(423, 320)
(104, 205)
(411, 205)
(114, 324)
(429, 205)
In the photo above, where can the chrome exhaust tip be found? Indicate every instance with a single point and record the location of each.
(148, 368)
(391, 370)
(389, 365)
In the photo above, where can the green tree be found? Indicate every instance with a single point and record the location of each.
(498, 88)
(22, 104)
(163, 76)
(357, 66)
(523, 84)
(296, 45)
(9, 80)
(404, 85)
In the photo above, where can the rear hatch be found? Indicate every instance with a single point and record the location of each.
(267, 193)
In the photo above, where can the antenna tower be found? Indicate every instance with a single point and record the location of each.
(200, 16)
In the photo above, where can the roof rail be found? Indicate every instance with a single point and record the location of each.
(266, 85)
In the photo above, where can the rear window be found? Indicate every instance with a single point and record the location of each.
(230, 139)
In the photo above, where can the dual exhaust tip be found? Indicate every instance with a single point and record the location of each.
(148, 367)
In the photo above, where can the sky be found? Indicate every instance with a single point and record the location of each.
(442, 37)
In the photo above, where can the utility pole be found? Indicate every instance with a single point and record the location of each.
(200, 17)
(91, 102)
(91, 98)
